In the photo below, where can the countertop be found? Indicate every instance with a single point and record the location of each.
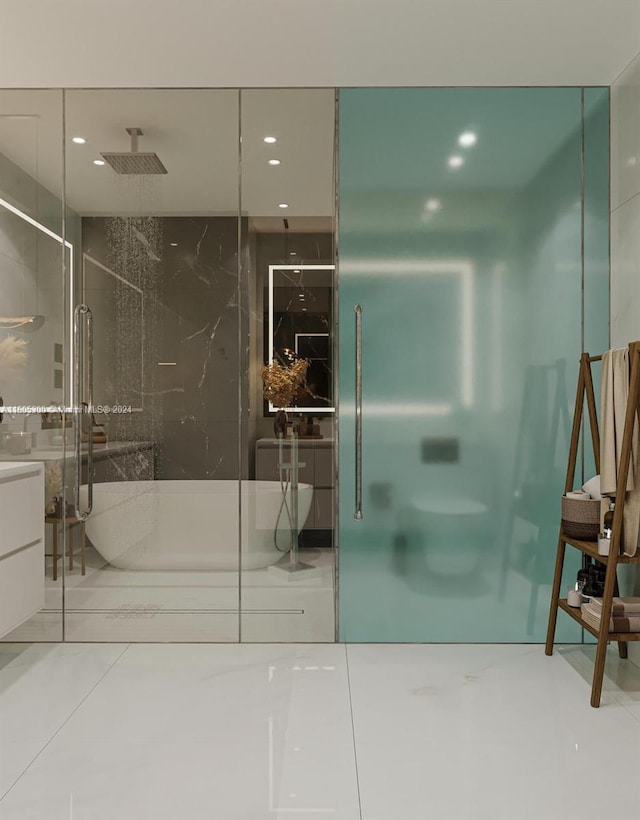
(9, 469)
(302, 442)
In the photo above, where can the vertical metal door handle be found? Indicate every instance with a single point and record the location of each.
(90, 401)
(358, 513)
(83, 312)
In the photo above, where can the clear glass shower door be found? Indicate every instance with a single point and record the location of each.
(460, 239)
(152, 188)
(34, 255)
(288, 286)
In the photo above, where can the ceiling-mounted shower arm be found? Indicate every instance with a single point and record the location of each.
(134, 161)
(134, 133)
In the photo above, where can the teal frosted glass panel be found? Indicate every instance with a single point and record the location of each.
(596, 245)
(596, 219)
(596, 234)
(470, 278)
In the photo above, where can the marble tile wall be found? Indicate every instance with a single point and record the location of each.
(178, 356)
(625, 230)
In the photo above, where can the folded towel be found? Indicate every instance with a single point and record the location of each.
(592, 487)
(614, 392)
(617, 624)
(622, 606)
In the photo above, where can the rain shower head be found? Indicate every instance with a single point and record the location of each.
(134, 161)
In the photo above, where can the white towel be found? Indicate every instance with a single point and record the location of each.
(614, 392)
(620, 606)
(616, 624)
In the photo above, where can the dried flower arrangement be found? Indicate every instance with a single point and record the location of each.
(281, 384)
(14, 355)
(53, 484)
(53, 478)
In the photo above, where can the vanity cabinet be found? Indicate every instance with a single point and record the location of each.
(21, 542)
(317, 457)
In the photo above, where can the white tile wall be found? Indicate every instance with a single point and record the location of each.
(625, 230)
(625, 136)
(625, 273)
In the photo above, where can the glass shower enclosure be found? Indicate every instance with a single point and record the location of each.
(184, 276)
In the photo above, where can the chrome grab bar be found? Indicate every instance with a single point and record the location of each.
(80, 312)
(358, 513)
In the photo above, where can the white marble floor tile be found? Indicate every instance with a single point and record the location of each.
(256, 732)
(191, 731)
(15, 757)
(497, 732)
(40, 686)
(162, 781)
(621, 680)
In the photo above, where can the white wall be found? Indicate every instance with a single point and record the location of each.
(625, 206)
(30, 283)
(218, 43)
(625, 232)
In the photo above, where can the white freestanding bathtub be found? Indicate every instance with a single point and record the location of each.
(191, 525)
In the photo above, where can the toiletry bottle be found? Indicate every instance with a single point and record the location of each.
(608, 519)
(583, 577)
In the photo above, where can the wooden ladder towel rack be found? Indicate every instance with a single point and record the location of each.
(590, 548)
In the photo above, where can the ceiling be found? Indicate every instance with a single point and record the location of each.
(195, 134)
(322, 43)
(197, 44)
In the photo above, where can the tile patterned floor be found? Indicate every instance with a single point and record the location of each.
(358, 732)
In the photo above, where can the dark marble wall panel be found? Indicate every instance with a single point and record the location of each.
(178, 354)
(277, 249)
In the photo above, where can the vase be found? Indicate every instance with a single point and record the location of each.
(280, 424)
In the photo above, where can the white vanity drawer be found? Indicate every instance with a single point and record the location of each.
(21, 586)
(21, 509)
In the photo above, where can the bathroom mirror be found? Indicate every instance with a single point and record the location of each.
(299, 324)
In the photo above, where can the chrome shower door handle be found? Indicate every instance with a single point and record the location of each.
(90, 398)
(83, 312)
(358, 312)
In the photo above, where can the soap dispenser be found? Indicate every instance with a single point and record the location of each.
(608, 519)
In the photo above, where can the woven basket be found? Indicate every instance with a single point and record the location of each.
(581, 518)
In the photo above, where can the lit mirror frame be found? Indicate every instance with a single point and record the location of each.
(272, 268)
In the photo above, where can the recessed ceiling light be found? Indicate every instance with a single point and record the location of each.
(173, 244)
(270, 140)
(99, 162)
(283, 205)
(467, 139)
(274, 162)
(455, 161)
(296, 271)
(304, 308)
(78, 140)
(292, 253)
(432, 205)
